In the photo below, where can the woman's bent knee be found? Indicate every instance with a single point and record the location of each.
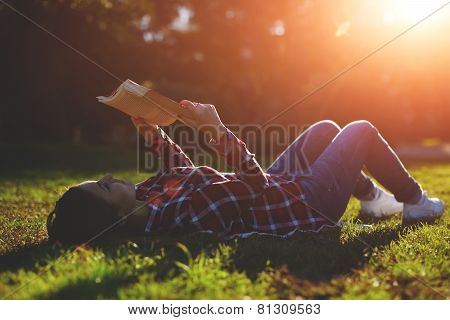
(328, 125)
(362, 125)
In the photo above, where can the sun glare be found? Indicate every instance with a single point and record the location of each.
(410, 10)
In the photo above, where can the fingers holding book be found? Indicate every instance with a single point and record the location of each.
(200, 116)
(203, 117)
(187, 116)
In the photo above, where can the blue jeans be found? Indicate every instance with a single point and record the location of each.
(330, 161)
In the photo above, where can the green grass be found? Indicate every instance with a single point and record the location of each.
(399, 263)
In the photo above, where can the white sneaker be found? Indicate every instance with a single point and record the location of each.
(382, 206)
(426, 210)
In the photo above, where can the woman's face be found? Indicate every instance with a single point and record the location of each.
(118, 193)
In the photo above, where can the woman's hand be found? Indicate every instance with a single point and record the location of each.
(203, 117)
(144, 127)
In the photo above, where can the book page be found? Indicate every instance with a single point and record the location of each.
(152, 106)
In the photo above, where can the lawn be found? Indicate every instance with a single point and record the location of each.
(386, 261)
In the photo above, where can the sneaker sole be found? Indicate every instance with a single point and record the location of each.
(406, 221)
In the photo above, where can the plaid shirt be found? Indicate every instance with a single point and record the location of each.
(186, 198)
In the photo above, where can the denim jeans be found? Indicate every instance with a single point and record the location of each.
(330, 161)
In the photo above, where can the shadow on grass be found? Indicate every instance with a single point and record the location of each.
(307, 256)
(29, 257)
(313, 257)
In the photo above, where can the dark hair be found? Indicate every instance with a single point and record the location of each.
(79, 216)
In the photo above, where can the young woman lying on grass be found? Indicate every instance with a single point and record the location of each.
(285, 198)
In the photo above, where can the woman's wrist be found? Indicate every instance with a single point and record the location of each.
(214, 132)
(219, 132)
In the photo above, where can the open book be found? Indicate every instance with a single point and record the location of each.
(138, 101)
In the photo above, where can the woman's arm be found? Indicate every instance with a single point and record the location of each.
(159, 143)
(204, 117)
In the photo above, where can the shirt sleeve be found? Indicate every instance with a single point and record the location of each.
(168, 152)
(241, 160)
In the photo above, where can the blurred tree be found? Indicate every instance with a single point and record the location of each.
(251, 58)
